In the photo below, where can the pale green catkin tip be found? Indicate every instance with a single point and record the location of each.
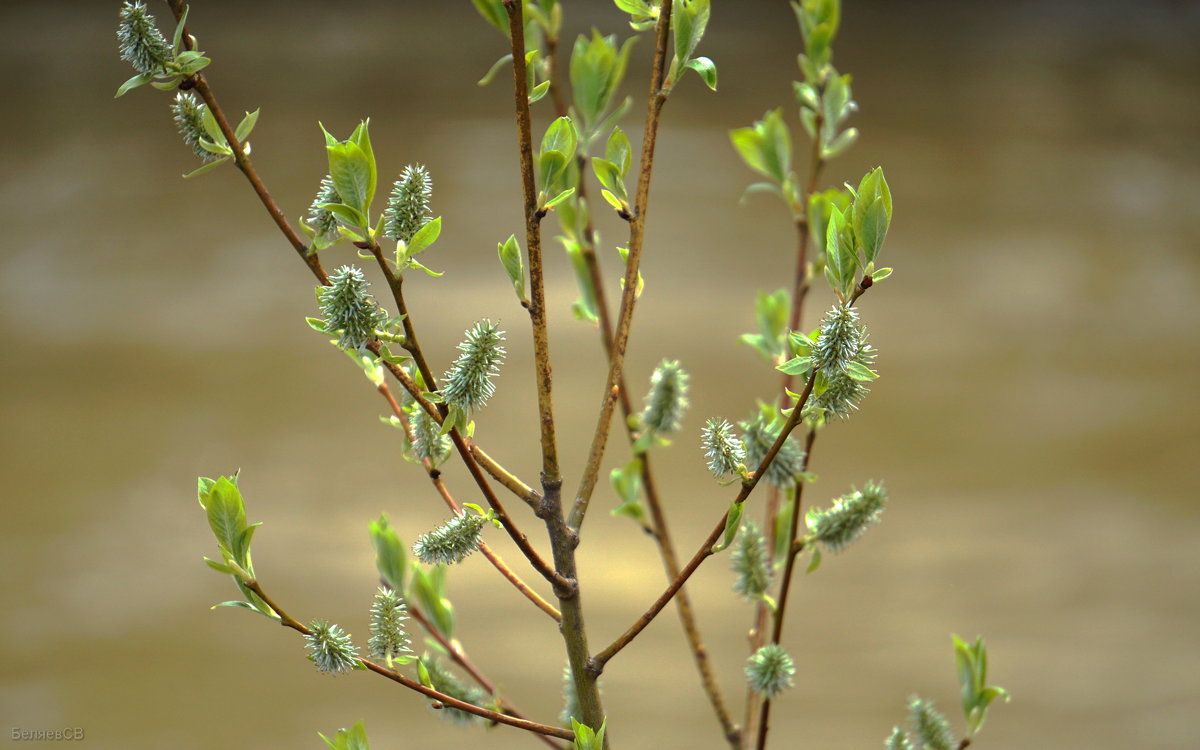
(769, 671)
(929, 726)
(666, 402)
(332, 650)
(408, 205)
(758, 435)
(467, 385)
(322, 220)
(451, 542)
(897, 740)
(188, 114)
(428, 441)
(142, 45)
(849, 517)
(348, 308)
(389, 638)
(723, 451)
(751, 562)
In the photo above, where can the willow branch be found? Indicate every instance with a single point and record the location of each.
(436, 477)
(494, 716)
(597, 662)
(637, 231)
(533, 241)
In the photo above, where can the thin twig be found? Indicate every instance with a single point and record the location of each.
(532, 726)
(436, 477)
(637, 231)
(597, 662)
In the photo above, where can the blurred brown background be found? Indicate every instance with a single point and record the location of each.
(1035, 421)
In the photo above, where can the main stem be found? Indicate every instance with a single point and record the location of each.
(637, 233)
(563, 540)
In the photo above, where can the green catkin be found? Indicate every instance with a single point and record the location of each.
(723, 451)
(348, 308)
(769, 670)
(839, 342)
(189, 114)
(467, 385)
(389, 638)
(929, 726)
(428, 441)
(408, 205)
(141, 43)
(322, 220)
(751, 562)
(445, 681)
(849, 517)
(332, 650)
(897, 740)
(666, 402)
(452, 542)
(758, 435)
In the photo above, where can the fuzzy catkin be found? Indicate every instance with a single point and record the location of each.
(451, 542)
(348, 308)
(751, 562)
(322, 220)
(467, 385)
(389, 638)
(332, 650)
(769, 670)
(408, 205)
(848, 518)
(142, 45)
(724, 453)
(758, 435)
(445, 681)
(929, 726)
(666, 402)
(839, 342)
(189, 120)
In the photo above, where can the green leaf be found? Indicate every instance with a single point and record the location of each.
(425, 236)
(765, 146)
(634, 7)
(212, 128)
(859, 371)
(246, 125)
(618, 151)
(707, 70)
(362, 137)
(226, 514)
(191, 62)
(221, 567)
(491, 73)
(351, 172)
(538, 91)
(614, 201)
(236, 603)
(840, 143)
(796, 366)
(177, 37)
(585, 308)
(423, 674)
(207, 167)
(493, 12)
(733, 522)
(140, 79)
(510, 257)
(559, 198)
(689, 19)
(560, 136)
(348, 214)
(609, 175)
(880, 274)
(428, 271)
(815, 561)
(552, 165)
(391, 558)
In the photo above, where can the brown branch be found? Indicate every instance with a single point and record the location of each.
(598, 662)
(637, 229)
(493, 716)
(533, 241)
(436, 477)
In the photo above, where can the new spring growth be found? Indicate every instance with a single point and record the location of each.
(408, 205)
(666, 402)
(453, 541)
(840, 341)
(349, 309)
(724, 452)
(898, 740)
(389, 638)
(751, 563)
(321, 220)
(769, 670)
(428, 441)
(848, 518)
(467, 385)
(332, 650)
(447, 682)
(142, 45)
(928, 727)
(189, 114)
(759, 434)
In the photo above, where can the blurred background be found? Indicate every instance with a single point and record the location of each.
(1035, 422)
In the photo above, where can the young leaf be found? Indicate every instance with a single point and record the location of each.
(425, 236)
(733, 522)
(707, 70)
(510, 257)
